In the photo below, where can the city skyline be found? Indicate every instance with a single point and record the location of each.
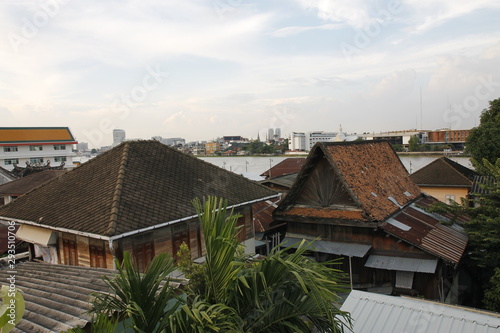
(203, 69)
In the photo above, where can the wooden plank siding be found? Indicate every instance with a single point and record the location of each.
(88, 252)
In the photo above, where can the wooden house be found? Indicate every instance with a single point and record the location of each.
(356, 201)
(445, 180)
(136, 197)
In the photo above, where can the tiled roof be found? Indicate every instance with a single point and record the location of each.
(28, 183)
(263, 214)
(426, 231)
(370, 171)
(137, 184)
(56, 296)
(25, 135)
(444, 172)
(374, 313)
(285, 167)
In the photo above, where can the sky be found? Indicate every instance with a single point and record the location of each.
(204, 69)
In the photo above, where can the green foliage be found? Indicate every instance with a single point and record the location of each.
(280, 293)
(483, 227)
(192, 271)
(414, 143)
(482, 143)
(143, 302)
(492, 294)
(11, 309)
(258, 147)
(231, 293)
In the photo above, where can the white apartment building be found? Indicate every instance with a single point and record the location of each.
(118, 136)
(36, 146)
(306, 140)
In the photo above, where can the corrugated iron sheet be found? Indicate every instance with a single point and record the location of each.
(427, 232)
(376, 313)
(402, 264)
(337, 248)
(404, 279)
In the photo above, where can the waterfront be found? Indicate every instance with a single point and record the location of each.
(253, 166)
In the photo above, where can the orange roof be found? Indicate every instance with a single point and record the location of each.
(326, 213)
(26, 135)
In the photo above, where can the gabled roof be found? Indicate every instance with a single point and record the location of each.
(362, 180)
(56, 296)
(23, 185)
(30, 135)
(374, 313)
(285, 167)
(444, 172)
(136, 185)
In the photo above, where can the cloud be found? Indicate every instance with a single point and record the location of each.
(295, 30)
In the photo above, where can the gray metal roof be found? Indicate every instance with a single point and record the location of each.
(402, 264)
(337, 248)
(374, 313)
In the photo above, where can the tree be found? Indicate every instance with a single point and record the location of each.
(492, 294)
(414, 143)
(482, 142)
(483, 228)
(280, 293)
(143, 302)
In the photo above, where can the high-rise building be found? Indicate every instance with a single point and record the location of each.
(277, 133)
(118, 136)
(270, 134)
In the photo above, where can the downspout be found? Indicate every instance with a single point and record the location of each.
(111, 248)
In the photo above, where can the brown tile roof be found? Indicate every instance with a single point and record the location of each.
(28, 183)
(25, 135)
(444, 172)
(285, 167)
(325, 213)
(370, 171)
(263, 214)
(137, 184)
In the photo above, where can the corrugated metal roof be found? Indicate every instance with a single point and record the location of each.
(337, 248)
(402, 264)
(374, 313)
(426, 231)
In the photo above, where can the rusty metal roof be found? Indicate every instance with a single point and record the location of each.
(426, 231)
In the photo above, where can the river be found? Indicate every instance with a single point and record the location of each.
(252, 166)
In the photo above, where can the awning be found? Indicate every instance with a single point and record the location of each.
(337, 248)
(36, 235)
(402, 264)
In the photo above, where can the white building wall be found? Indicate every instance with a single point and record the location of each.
(47, 153)
(297, 141)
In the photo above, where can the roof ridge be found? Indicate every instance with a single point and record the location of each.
(459, 168)
(115, 203)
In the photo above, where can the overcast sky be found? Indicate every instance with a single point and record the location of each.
(203, 69)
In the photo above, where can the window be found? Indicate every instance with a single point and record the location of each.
(36, 160)
(36, 148)
(11, 161)
(9, 149)
(60, 159)
(59, 147)
(449, 199)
